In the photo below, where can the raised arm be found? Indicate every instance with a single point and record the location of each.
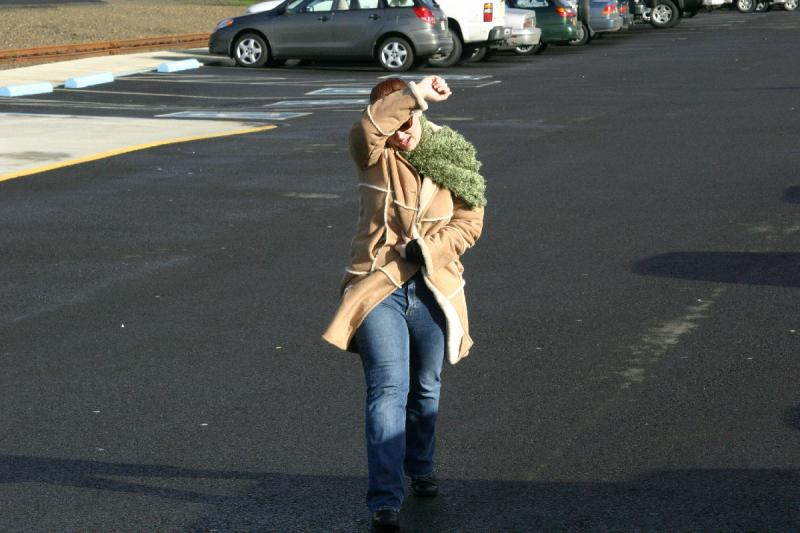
(382, 118)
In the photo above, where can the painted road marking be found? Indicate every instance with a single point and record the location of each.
(33, 143)
(451, 77)
(196, 96)
(320, 103)
(235, 115)
(341, 91)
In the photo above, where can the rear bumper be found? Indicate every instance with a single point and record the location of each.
(499, 34)
(523, 38)
(429, 43)
(603, 25)
(556, 33)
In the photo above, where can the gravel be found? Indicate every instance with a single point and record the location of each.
(39, 24)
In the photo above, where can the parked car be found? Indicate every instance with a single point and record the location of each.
(524, 31)
(556, 19)
(399, 34)
(748, 6)
(626, 14)
(596, 16)
(475, 26)
(665, 13)
(263, 6)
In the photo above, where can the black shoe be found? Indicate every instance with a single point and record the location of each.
(425, 486)
(386, 521)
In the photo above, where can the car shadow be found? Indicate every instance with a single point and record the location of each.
(749, 268)
(792, 194)
(791, 417)
(695, 499)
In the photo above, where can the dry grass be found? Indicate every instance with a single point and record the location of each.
(27, 27)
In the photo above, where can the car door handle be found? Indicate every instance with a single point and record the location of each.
(374, 17)
(323, 18)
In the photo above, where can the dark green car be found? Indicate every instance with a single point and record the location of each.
(557, 19)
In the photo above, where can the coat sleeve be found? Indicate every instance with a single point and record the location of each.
(453, 239)
(379, 121)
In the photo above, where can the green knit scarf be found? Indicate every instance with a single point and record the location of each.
(449, 160)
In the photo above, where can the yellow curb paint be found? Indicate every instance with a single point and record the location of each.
(127, 149)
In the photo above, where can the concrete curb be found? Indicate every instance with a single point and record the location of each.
(80, 82)
(175, 66)
(25, 89)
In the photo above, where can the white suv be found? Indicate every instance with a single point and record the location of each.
(473, 24)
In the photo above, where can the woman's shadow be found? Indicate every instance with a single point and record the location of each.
(675, 499)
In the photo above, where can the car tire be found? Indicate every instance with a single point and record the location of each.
(762, 6)
(665, 14)
(530, 49)
(582, 36)
(473, 55)
(395, 54)
(790, 5)
(745, 6)
(250, 50)
(455, 54)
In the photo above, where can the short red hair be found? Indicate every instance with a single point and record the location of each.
(386, 87)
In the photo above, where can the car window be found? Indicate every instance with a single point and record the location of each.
(400, 3)
(309, 7)
(351, 5)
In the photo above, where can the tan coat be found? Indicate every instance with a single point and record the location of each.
(394, 201)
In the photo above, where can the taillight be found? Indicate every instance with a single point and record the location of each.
(563, 12)
(425, 14)
(623, 8)
(528, 23)
(488, 10)
(609, 9)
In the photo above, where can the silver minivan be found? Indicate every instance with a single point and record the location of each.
(399, 34)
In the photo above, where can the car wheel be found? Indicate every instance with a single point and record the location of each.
(530, 49)
(473, 55)
(665, 14)
(395, 54)
(762, 6)
(250, 50)
(745, 6)
(455, 54)
(790, 5)
(582, 37)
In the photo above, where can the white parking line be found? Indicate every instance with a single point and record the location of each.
(271, 81)
(196, 96)
(233, 115)
(341, 91)
(320, 103)
(449, 77)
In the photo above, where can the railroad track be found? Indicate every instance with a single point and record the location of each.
(46, 54)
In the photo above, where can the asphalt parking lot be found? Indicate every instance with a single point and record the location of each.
(633, 299)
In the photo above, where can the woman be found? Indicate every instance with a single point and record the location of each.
(402, 305)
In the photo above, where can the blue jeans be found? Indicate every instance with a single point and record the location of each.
(402, 344)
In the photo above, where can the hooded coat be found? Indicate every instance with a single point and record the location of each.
(395, 201)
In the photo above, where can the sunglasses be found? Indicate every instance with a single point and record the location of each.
(405, 126)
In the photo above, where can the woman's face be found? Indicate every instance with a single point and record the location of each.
(409, 139)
